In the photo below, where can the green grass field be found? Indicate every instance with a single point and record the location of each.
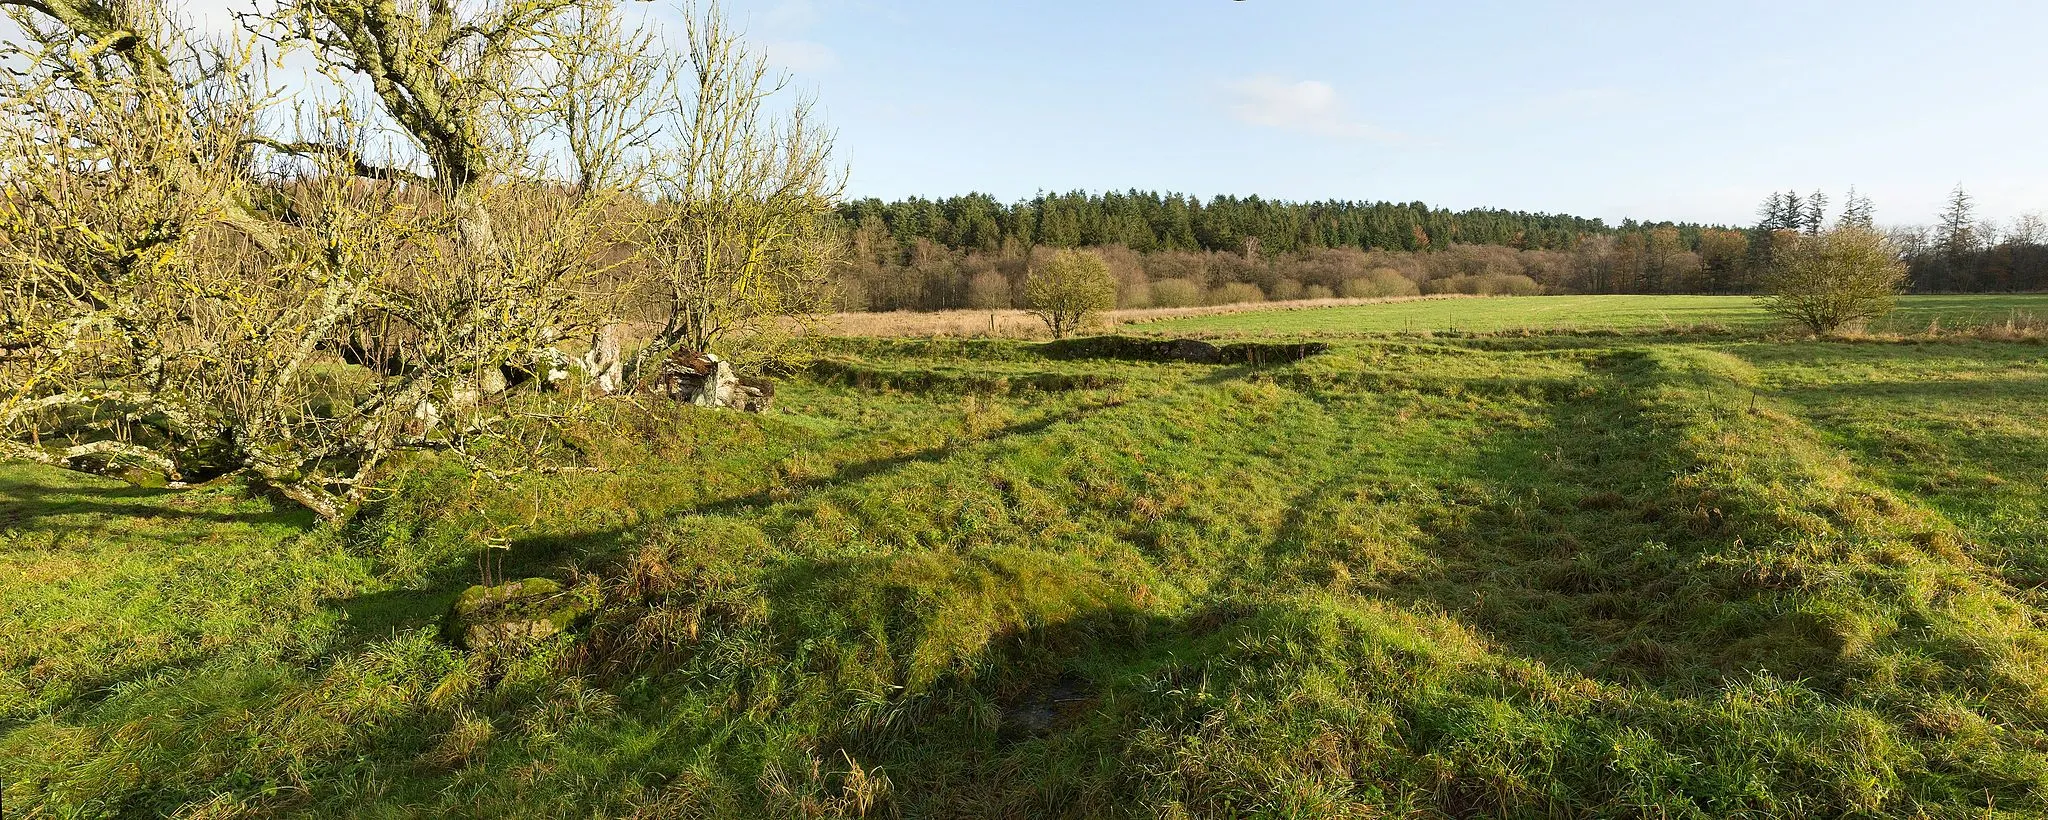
(1627, 313)
(1642, 575)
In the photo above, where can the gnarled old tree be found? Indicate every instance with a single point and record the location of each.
(144, 323)
(109, 181)
(737, 245)
(448, 76)
(475, 87)
(118, 48)
(151, 320)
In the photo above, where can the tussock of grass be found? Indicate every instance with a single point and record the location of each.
(1564, 576)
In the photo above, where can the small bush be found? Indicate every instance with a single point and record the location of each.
(1176, 293)
(1836, 281)
(1378, 283)
(1486, 284)
(1068, 289)
(989, 290)
(1133, 294)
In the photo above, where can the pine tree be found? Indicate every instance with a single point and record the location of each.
(1858, 212)
(1771, 214)
(1958, 223)
(1779, 212)
(1816, 216)
(1956, 237)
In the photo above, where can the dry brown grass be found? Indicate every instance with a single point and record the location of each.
(1017, 324)
(2020, 327)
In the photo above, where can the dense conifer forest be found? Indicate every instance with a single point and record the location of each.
(1146, 221)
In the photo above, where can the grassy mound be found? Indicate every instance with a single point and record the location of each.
(1595, 577)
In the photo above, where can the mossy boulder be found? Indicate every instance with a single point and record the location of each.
(143, 477)
(517, 615)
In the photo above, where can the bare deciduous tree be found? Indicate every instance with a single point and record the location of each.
(2027, 229)
(110, 182)
(738, 241)
(481, 89)
(603, 97)
(442, 72)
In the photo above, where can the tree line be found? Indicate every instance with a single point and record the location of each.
(1172, 250)
(1146, 222)
(1961, 253)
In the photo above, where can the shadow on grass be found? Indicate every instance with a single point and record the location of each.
(1062, 702)
(1575, 540)
(1539, 549)
(1584, 542)
(25, 503)
(852, 473)
(377, 615)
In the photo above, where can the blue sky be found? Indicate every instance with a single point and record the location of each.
(1652, 110)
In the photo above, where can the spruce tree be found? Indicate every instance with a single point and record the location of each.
(1778, 212)
(1958, 223)
(1771, 213)
(1858, 212)
(1957, 238)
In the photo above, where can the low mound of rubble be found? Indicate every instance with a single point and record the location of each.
(705, 380)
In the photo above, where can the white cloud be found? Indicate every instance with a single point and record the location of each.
(1308, 106)
(801, 56)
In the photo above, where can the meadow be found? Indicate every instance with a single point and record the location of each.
(1915, 314)
(1658, 571)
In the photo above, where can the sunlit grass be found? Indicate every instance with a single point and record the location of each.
(1653, 575)
(1625, 313)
